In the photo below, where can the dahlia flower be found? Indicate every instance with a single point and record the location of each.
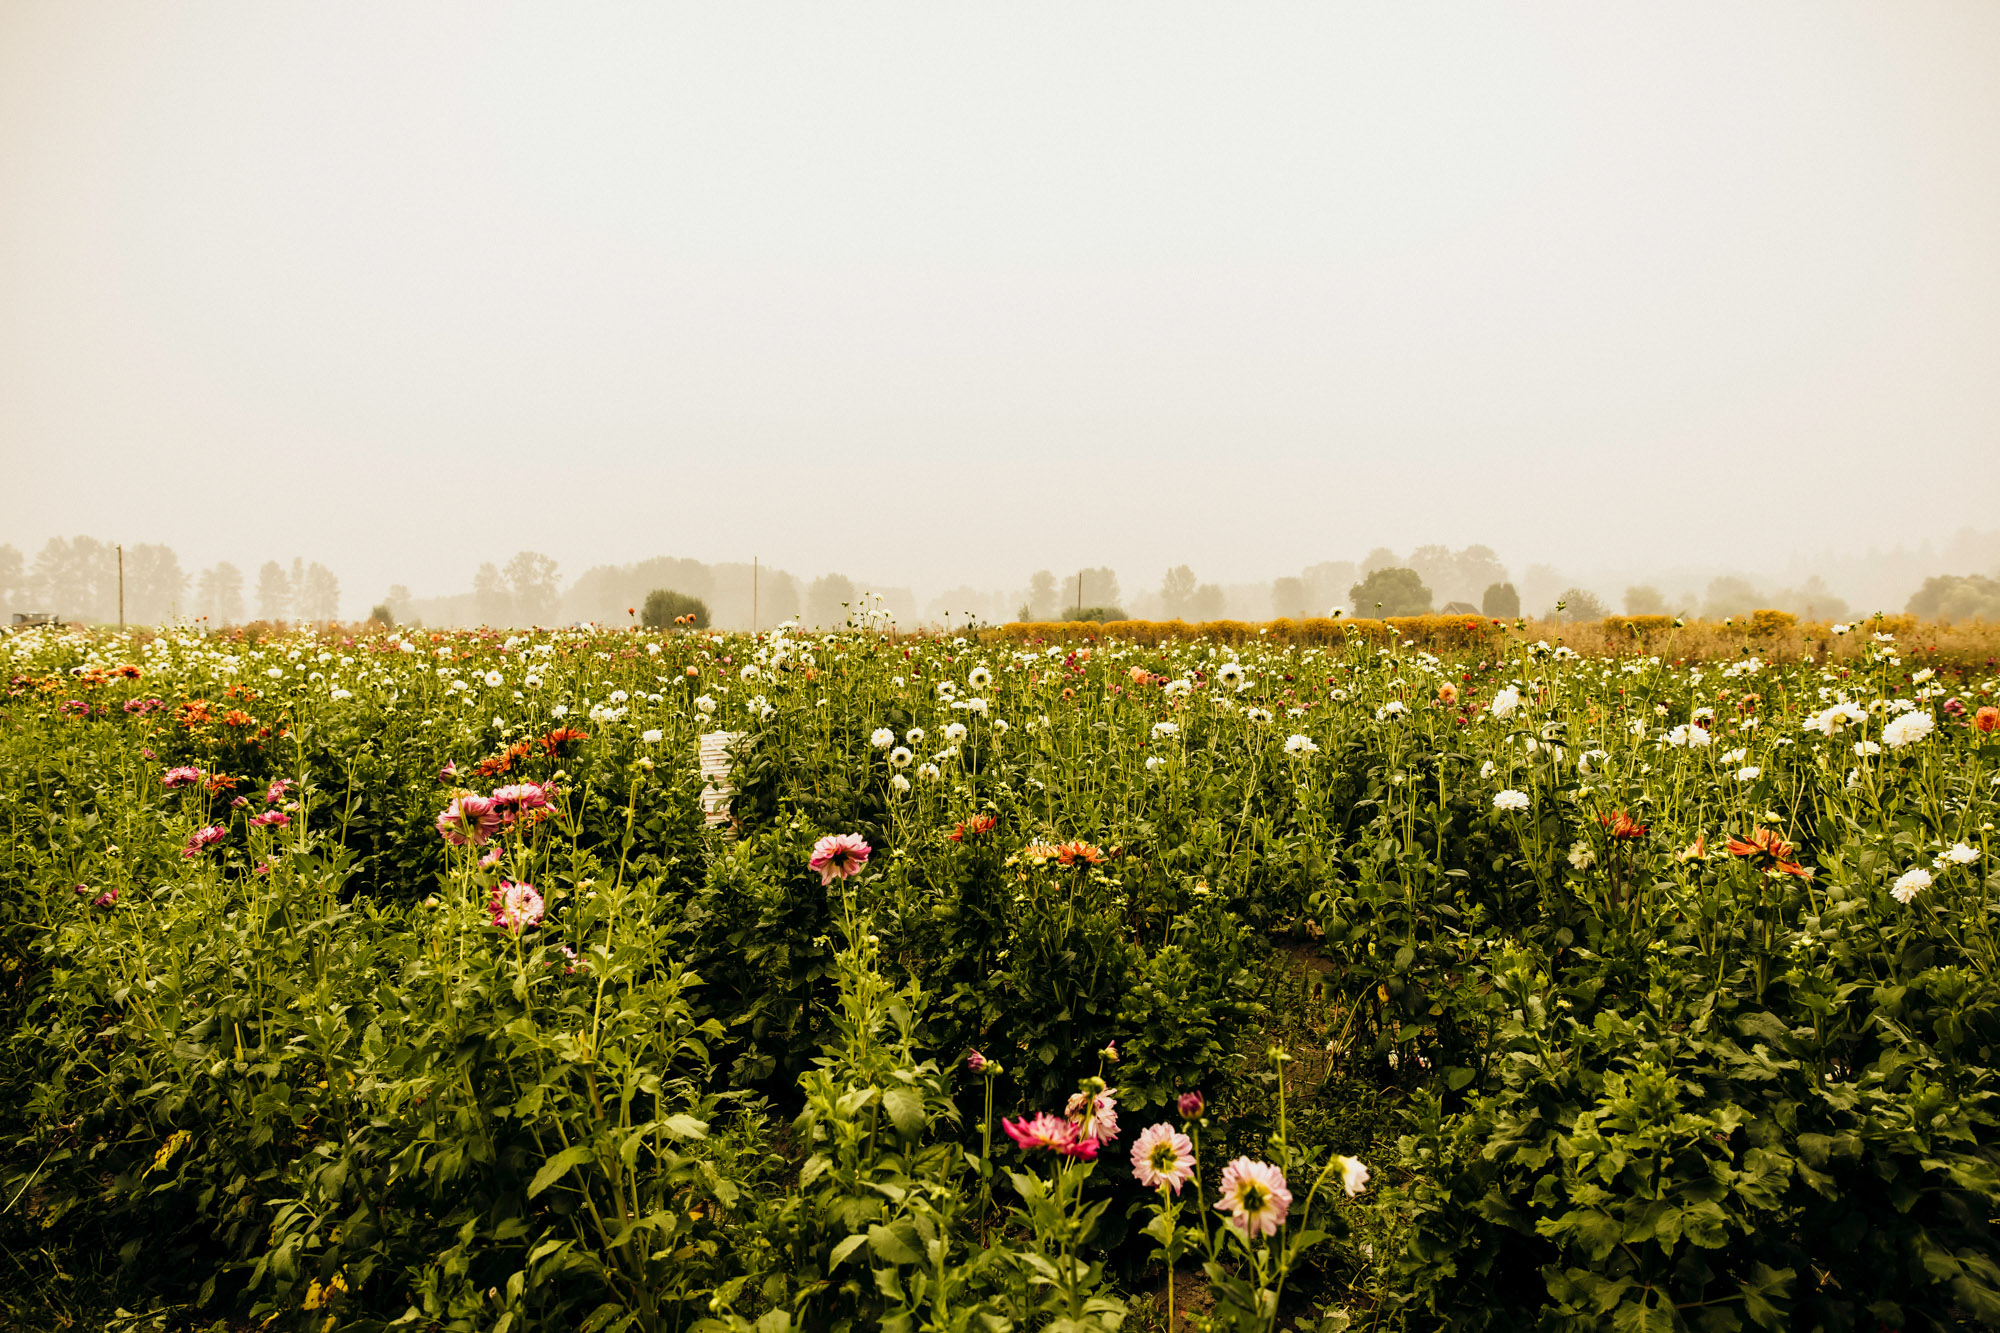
(1254, 1195)
(180, 777)
(1353, 1175)
(514, 907)
(1051, 1132)
(1910, 884)
(1510, 800)
(838, 855)
(468, 819)
(509, 803)
(202, 839)
(1908, 729)
(1189, 1104)
(1162, 1157)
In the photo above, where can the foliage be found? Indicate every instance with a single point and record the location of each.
(664, 609)
(1391, 592)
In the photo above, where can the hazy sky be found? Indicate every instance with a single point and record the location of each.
(931, 294)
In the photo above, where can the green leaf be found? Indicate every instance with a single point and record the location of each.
(895, 1248)
(846, 1248)
(556, 1167)
(906, 1110)
(684, 1127)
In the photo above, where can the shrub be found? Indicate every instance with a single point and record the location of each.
(1395, 592)
(1501, 602)
(665, 608)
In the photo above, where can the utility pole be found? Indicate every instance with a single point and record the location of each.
(1079, 593)
(121, 585)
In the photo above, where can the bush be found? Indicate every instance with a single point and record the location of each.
(1095, 615)
(1579, 606)
(1501, 602)
(665, 608)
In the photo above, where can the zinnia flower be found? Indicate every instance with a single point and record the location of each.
(514, 907)
(838, 855)
(180, 777)
(516, 800)
(271, 819)
(1769, 850)
(1987, 719)
(1163, 1158)
(882, 738)
(1051, 1132)
(201, 840)
(1254, 1195)
(1447, 693)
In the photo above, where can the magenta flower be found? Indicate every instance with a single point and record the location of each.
(975, 1061)
(105, 899)
(1110, 1052)
(202, 839)
(1052, 1132)
(838, 855)
(1254, 1195)
(276, 791)
(512, 802)
(180, 777)
(1162, 1156)
(1190, 1105)
(1095, 1117)
(491, 859)
(239, 803)
(514, 907)
(468, 819)
(82, 890)
(271, 819)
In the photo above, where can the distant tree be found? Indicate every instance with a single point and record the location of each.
(1501, 602)
(274, 592)
(531, 579)
(155, 586)
(1177, 591)
(664, 607)
(1042, 596)
(1813, 600)
(218, 594)
(1098, 615)
(1956, 597)
(1728, 596)
(1477, 567)
(1644, 600)
(1208, 602)
(1327, 584)
(1580, 606)
(1288, 599)
(13, 578)
(398, 601)
(491, 600)
(76, 578)
(1379, 558)
(1096, 587)
(319, 594)
(1398, 591)
(827, 600)
(384, 615)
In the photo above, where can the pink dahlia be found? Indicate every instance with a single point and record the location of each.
(512, 802)
(1163, 1156)
(838, 855)
(202, 839)
(277, 790)
(1051, 1132)
(182, 776)
(468, 819)
(514, 907)
(1190, 1105)
(271, 819)
(1254, 1195)
(975, 1061)
(1094, 1117)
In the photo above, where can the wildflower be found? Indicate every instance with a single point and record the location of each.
(704, 705)
(1908, 729)
(1388, 710)
(1749, 774)
(1162, 730)
(1505, 702)
(1910, 884)
(928, 772)
(1510, 800)
(448, 772)
(1768, 849)
(1077, 853)
(1257, 714)
(201, 840)
(1447, 694)
(277, 791)
(1689, 737)
(1154, 761)
(1866, 749)
(1987, 719)
(837, 856)
(972, 827)
(1095, 1115)
(898, 783)
(882, 738)
(520, 799)
(1299, 743)
(1959, 854)
(1736, 756)
(514, 907)
(915, 736)
(1621, 825)
(1486, 770)
(1695, 850)
(1189, 1104)
(1230, 674)
(494, 680)
(1110, 1052)
(468, 819)
(1254, 1195)
(491, 859)
(1353, 1175)
(900, 757)
(105, 899)
(1162, 1158)
(271, 819)
(979, 678)
(955, 732)
(180, 777)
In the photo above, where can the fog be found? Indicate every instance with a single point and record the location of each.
(929, 300)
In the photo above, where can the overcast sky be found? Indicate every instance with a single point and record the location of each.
(934, 294)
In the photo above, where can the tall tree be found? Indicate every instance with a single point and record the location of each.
(1177, 591)
(489, 591)
(1042, 596)
(1099, 586)
(1327, 584)
(13, 579)
(531, 578)
(319, 594)
(1288, 599)
(274, 592)
(77, 578)
(219, 594)
(1391, 592)
(155, 586)
(828, 600)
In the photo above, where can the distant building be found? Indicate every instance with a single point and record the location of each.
(1459, 609)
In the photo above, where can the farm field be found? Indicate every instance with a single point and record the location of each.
(421, 980)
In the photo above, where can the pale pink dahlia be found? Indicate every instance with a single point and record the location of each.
(511, 802)
(1094, 1117)
(1163, 1156)
(838, 855)
(180, 777)
(468, 819)
(202, 839)
(269, 818)
(514, 907)
(1254, 1195)
(1051, 1132)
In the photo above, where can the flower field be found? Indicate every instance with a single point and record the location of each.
(429, 981)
